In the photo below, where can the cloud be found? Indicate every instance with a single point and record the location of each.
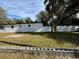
(22, 8)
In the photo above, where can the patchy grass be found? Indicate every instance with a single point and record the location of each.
(36, 55)
(54, 40)
(33, 56)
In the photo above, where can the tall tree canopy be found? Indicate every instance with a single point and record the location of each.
(61, 9)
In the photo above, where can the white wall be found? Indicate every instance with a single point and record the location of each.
(67, 28)
(35, 27)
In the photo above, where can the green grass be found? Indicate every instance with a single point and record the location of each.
(54, 40)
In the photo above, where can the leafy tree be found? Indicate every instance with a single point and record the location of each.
(60, 10)
(3, 21)
(43, 17)
(28, 20)
(3, 18)
(2, 12)
(18, 21)
(37, 21)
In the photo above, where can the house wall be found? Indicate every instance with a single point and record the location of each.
(67, 28)
(35, 27)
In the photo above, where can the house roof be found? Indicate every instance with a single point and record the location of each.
(19, 24)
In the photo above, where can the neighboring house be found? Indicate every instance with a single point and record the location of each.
(32, 27)
(35, 27)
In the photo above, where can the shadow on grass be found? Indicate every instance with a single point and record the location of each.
(11, 43)
(60, 37)
(65, 37)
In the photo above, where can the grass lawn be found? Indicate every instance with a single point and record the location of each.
(35, 56)
(54, 40)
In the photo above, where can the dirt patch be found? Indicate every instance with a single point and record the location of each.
(14, 36)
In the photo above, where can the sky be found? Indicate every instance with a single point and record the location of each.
(22, 8)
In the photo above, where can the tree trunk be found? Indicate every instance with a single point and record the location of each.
(54, 26)
(51, 28)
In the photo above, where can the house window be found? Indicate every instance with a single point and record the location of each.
(12, 26)
(20, 25)
(29, 25)
(1, 27)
